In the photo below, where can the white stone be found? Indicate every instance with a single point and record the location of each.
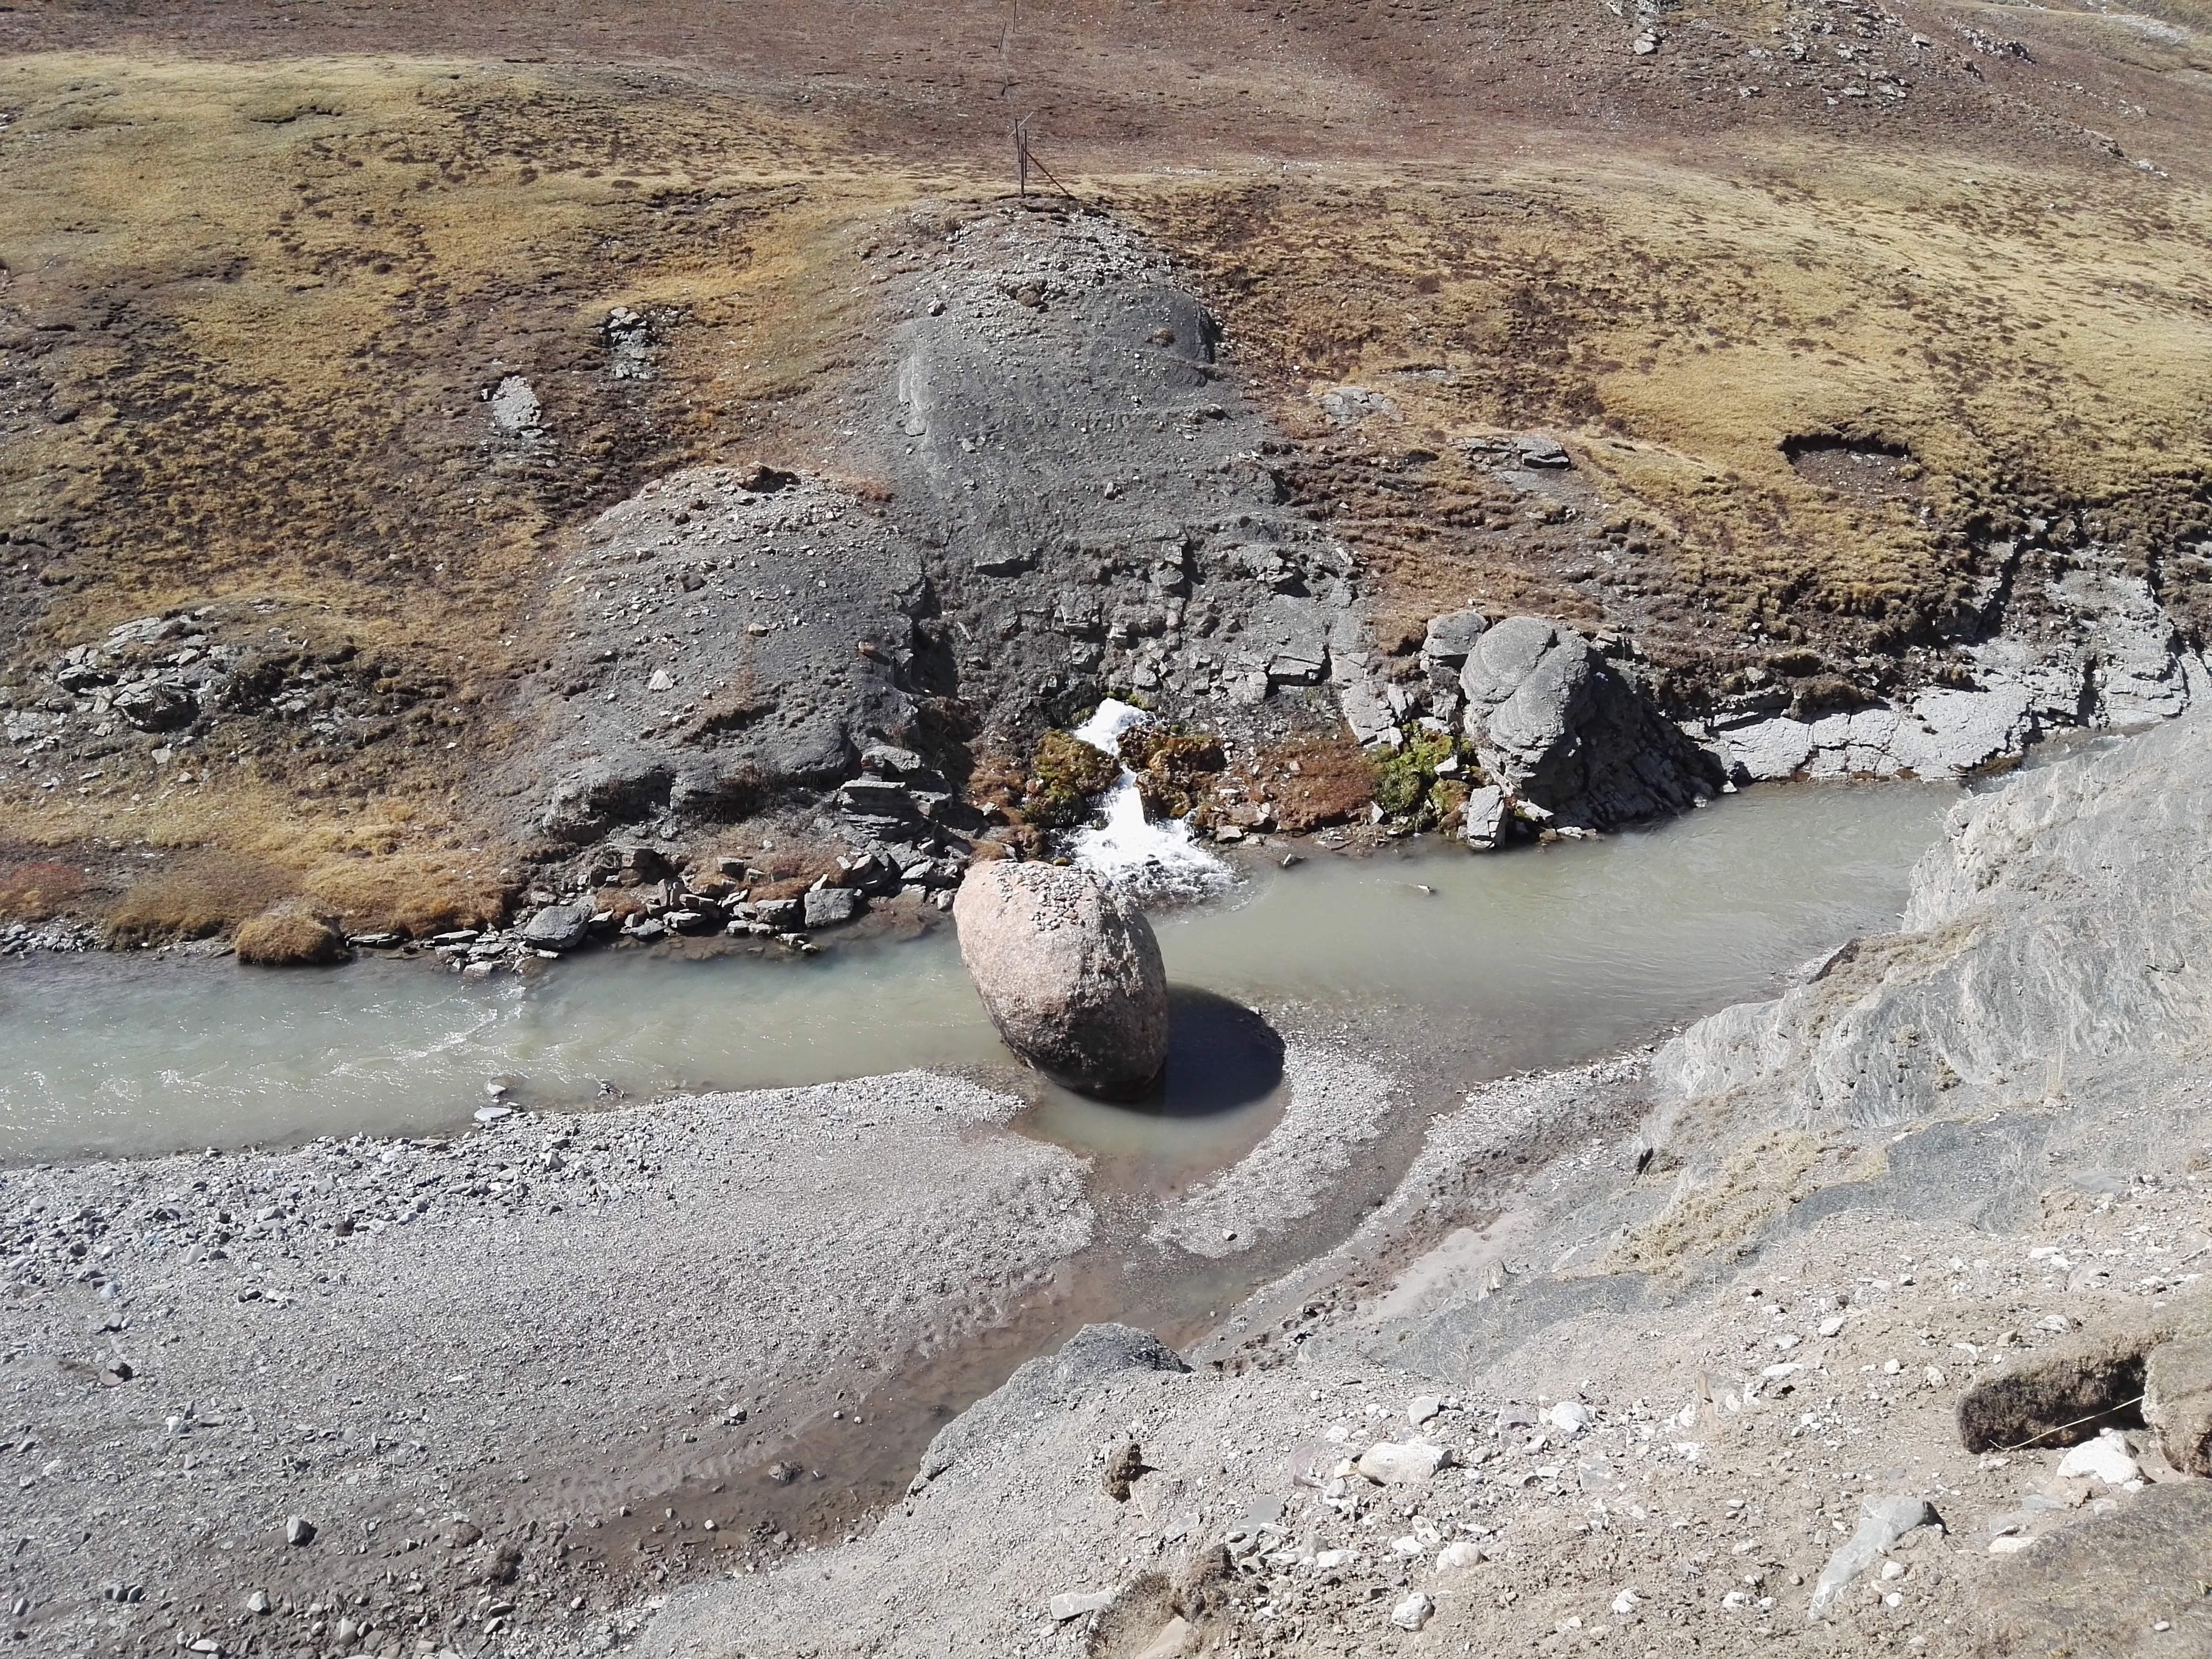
(2010, 1544)
(1413, 1613)
(1421, 1407)
(1389, 1463)
(1625, 1603)
(2106, 1457)
(1832, 1325)
(1073, 1604)
(1455, 1558)
(1570, 1417)
(1367, 712)
(514, 407)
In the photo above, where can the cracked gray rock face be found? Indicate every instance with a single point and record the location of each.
(2054, 952)
(2088, 644)
(1079, 504)
(1566, 731)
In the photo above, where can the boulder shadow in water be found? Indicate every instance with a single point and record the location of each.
(1221, 1055)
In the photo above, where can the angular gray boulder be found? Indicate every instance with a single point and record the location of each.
(1069, 972)
(557, 927)
(1564, 731)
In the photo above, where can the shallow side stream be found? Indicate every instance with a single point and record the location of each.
(1539, 957)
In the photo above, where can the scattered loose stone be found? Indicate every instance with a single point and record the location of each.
(1413, 1611)
(1392, 1463)
(1073, 1604)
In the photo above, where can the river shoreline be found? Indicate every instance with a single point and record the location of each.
(1547, 957)
(509, 1378)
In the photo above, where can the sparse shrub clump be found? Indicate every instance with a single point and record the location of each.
(289, 936)
(1066, 780)
(1172, 767)
(200, 895)
(1424, 780)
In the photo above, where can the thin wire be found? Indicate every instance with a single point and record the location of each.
(2059, 1428)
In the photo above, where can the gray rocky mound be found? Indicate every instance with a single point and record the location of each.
(1069, 972)
(1068, 499)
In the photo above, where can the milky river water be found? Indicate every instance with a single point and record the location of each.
(1534, 957)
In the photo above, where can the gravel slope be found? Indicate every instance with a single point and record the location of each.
(466, 1362)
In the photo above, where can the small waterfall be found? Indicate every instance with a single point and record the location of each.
(1129, 850)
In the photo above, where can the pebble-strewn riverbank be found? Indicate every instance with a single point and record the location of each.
(467, 1363)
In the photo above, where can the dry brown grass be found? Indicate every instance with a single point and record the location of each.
(199, 896)
(2031, 335)
(270, 296)
(289, 936)
(40, 889)
(416, 892)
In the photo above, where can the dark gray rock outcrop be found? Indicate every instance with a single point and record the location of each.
(738, 637)
(1564, 731)
(556, 926)
(1067, 500)
(1069, 972)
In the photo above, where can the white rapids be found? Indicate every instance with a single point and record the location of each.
(1160, 860)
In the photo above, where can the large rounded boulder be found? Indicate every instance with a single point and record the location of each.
(1564, 730)
(1069, 972)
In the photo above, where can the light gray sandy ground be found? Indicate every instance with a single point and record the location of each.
(1660, 1359)
(1335, 1102)
(454, 1356)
